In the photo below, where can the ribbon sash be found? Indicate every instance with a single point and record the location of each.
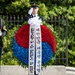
(35, 47)
(31, 49)
(38, 50)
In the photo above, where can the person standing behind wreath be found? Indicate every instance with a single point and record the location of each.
(33, 12)
(33, 18)
(3, 32)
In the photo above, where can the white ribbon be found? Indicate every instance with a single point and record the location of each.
(35, 45)
(38, 50)
(31, 50)
(35, 21)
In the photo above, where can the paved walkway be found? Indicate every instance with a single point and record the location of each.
(18, 70)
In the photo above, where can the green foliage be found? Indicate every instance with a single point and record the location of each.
(44, 9)
(8, 57)
(20, 7)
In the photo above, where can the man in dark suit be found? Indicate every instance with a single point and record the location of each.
(3, 32)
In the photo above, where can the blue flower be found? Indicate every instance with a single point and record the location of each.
(22, 53)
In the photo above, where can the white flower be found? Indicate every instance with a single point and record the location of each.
(35, 21)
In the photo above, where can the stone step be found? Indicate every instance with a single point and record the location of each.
(54, 70)
(12, 70)
(18, 70)
(70, 70)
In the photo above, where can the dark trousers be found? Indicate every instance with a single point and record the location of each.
(35, 73)
(0, 53)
